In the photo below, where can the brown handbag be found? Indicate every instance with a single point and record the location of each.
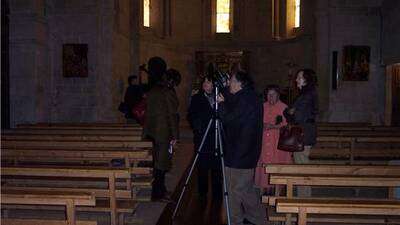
(291, 139)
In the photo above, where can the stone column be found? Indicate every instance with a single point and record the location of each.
(322, 55)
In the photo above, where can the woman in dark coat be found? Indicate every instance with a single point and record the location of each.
(304, 111)
(199, 115)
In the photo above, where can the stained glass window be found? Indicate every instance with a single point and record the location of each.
(146, 13)
(297, 13)
(223, 7)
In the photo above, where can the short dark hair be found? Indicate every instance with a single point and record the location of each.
(157, 66)
(309, 75)
(204, 78)
(131, 78)
(244, 79)
(173, 76)
(273, 87)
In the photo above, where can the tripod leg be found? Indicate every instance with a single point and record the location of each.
(191, 169)
(221, 154)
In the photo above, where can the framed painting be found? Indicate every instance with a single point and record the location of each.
(356, 63)
(75, 62)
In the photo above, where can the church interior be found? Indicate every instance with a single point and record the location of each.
(70, 156)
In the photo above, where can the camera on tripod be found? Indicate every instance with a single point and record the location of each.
(219, 78)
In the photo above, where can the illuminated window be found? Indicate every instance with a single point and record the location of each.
(297, 13)
(223, 7)
(146, 13)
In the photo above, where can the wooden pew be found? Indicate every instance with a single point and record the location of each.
(342, 124)
(303, 207)
(354, 154)
(41, 222)
(77, 126)
(331, 175)
(372, 147)
(96, 124)
(69, 137)
(69, 199)
(45, 131)
(353, 140)
(72, 144)
(83, 155)
(64, 173)
(322, 169)
(364, 133)
(359, 128)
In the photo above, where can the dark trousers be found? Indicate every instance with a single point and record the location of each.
(216, 181)
(158, 186)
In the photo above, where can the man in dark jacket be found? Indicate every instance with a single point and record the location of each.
(242, 118)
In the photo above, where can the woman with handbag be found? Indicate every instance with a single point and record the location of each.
(273, 121)
(303, 112)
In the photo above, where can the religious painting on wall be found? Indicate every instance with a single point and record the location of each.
(75, 62)
(356, 63)
(223, 61)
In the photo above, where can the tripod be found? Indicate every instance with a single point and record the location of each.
(218, 149)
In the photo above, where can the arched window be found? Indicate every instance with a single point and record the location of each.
(146, 13)
(223, 14)
(297, 13)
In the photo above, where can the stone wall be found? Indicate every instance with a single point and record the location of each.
(80, 99)
(29, 73)
(343, 23)
(391, 32)
(39, 91)
(118, 44)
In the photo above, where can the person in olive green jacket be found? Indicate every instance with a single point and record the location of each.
(161, 126)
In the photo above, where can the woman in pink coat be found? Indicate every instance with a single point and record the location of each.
(273, 120)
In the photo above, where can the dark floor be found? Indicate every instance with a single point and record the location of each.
(192, 210)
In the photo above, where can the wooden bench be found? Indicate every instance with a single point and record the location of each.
(351, 142)
(121, 125)
(342, 124)
(138, 162)
(331, 175)
(335, 219)
(83, 155)
(68, 199)
(373, 147)
(358, 128)
(69, 137)
(303, 207)
(45, 131)
(88, 144)
(363, 133)
(63, 174)
(322, 169)
(65, 127)
(354, 154)
(41, 222)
